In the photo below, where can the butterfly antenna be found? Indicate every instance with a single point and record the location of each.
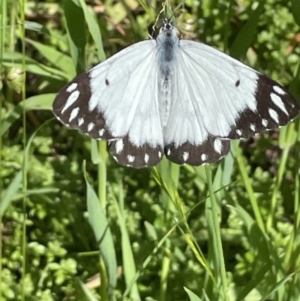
(159, 14)
(153, 26)
(179, 8)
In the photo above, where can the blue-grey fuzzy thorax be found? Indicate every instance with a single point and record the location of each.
(167, 44)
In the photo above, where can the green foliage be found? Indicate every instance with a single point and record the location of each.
(78, 226)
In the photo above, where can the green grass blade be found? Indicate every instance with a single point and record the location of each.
(288, 137)
(93, 29)
(100, 226)
(245, 37)
(88, 295)
(9, 193)
(192, 296)
(296, 11)
(55, 57)
(212, 214)
(248, 185)
(277, 286)
(38, 102)
(76, 28)
(130, 272)
(14, 59)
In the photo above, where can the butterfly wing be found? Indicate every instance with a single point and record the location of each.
(216, 98)
(117, 100)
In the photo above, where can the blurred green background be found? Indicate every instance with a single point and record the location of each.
(72, 218)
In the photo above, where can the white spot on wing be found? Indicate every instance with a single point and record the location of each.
(72, 87)
(218, 146)
(203, 157)
(71, 99)
(115, 158)
(264, 122)
(130, 158)
(159, 154)
(101, 132)
(278, 102)
(80, 121)
(239, 132)
(119, 146)
(278, 90)
(185, 156)
(90, 126)
(74, 114)
(146, 158)
(168, 152)
(252, 127)
(274, 115)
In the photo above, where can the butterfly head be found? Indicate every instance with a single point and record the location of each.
(167, 27)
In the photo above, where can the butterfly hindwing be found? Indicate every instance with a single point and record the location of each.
(209, 151)
(126, 153)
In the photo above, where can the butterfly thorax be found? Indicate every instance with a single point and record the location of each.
(167, 43)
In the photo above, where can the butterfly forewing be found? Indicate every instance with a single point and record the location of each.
(118, 101)
(71, 107)
(275, 107)
(238, 100)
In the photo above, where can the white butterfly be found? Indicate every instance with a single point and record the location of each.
(174, 97)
